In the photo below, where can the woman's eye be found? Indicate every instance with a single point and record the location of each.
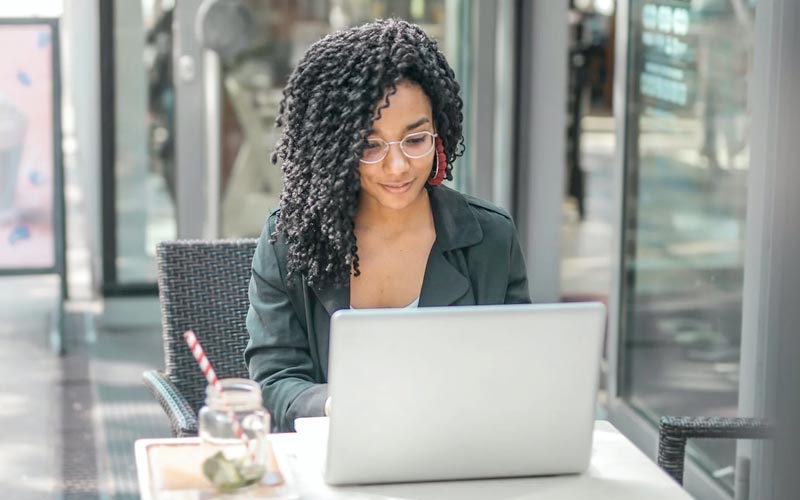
(372, 145)
(415, 140)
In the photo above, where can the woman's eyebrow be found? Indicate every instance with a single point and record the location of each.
(408, 127)
(417, 124)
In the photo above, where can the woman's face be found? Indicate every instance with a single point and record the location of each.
(397, 181)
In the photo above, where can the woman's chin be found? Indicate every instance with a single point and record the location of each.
(397, 197)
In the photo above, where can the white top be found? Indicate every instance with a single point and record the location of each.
(410, 306)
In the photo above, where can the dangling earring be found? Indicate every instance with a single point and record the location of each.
(439, 171)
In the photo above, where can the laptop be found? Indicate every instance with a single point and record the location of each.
(447, 393)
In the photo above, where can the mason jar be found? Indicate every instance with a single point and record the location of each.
(232, 462)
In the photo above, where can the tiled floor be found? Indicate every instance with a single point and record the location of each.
(68, 423)
(30, 391)
(122, 351)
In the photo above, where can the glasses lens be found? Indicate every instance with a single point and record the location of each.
(374, 151)
(418, 144)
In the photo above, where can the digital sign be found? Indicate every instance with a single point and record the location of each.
(31, 228)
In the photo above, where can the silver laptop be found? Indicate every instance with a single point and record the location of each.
(462, 392)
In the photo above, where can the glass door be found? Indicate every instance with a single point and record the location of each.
(138, 174)
(686, 157)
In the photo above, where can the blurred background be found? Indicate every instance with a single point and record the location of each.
(618, 134)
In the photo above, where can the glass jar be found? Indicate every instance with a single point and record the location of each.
(232, 462)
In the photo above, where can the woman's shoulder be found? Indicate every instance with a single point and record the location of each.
(486, 213)
(487, 209)
(271, 253)
(272, 221)
(266, 240)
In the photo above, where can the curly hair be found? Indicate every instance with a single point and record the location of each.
(327, 111)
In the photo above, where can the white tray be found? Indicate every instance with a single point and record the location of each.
(170, 469)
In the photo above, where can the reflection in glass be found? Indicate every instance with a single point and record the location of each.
(686, 169)
(144, 107)
(587, 215)
(254, 72)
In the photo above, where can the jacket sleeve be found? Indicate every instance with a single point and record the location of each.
(517, 291)
(277, 354)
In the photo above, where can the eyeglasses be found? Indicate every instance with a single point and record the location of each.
(413, 146)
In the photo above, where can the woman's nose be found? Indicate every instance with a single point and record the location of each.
(395, 161)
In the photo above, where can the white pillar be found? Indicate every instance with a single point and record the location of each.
(541, 143)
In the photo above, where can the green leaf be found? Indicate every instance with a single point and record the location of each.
(228, 475)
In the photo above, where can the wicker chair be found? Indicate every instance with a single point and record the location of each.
(674, 431)
(202, 287)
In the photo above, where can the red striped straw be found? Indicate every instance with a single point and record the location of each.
(211, 377)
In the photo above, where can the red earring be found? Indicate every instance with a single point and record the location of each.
(439, 172)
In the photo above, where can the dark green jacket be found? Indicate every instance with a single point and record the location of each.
(475, 259)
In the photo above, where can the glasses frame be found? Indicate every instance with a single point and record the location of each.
(388, 145)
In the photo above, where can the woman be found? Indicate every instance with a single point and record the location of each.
(371, 123)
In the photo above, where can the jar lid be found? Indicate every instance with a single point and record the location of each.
(240, 394)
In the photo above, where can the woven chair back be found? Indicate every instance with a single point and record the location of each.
(202, 287)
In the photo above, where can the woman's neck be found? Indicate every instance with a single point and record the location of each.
(374, 217)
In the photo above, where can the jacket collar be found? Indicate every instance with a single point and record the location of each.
(456, 227)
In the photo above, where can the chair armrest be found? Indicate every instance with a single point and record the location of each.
(182, 418)
(674, 431)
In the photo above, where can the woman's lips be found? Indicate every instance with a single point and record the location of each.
(397, 188)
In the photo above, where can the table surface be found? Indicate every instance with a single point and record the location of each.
(618, 471)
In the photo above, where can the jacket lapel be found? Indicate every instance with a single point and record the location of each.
(456, 227)
(333, 299)
(443, 284)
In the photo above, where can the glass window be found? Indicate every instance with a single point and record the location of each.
(686, 163)
(144, 124)
(254, 75)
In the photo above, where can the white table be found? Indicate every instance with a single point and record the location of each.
(618, 471)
